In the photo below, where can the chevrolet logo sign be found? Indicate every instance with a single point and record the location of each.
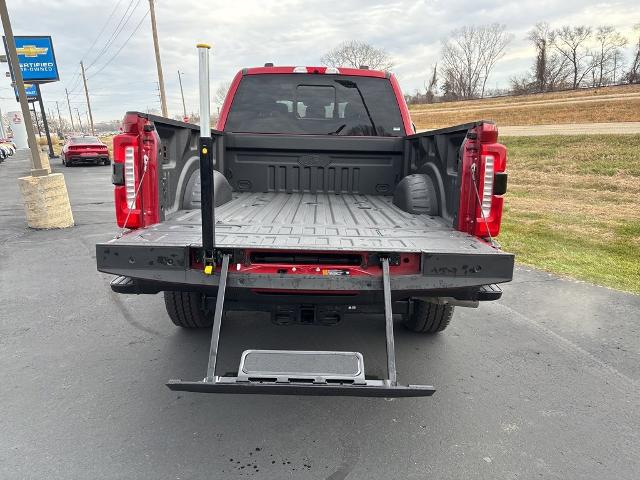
(31, 51)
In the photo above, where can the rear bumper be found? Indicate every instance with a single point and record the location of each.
(87, 158)
(158, 268)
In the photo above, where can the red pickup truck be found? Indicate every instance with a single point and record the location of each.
(318, 199)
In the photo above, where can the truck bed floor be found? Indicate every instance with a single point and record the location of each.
(312, 221)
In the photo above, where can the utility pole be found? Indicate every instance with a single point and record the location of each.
(35, 116)
(73, 127)
(86, 92)
(156, 46)
(45, 124)
(184, 108)
(37, 169)
(79, 121)
(59, 118)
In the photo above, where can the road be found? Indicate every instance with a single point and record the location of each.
(614, 128)
(542, 384)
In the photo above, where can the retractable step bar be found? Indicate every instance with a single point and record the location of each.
(293, 372)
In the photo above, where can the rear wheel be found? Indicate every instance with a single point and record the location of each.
(186, 309)
(428, 317)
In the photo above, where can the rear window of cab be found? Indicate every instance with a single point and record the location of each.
(315, 105)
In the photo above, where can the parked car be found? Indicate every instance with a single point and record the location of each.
(84, 149)
(7, 149)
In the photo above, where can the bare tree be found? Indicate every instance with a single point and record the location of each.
(607, 54)
(432, 85)
(494, 40)
(469, 56)
(550, 70)
(571, 43)
(355, 54)
(221, 93)
(633, 75)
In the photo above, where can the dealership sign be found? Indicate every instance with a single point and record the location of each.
(31, 91)
(36, 58)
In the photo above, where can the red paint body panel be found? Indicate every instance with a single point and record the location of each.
(409, 265)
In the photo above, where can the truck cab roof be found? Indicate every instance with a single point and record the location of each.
(360, 72)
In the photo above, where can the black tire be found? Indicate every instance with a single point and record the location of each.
(428, 317)
(186, 310)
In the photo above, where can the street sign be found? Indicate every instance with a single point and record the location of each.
(31, 91)
(36, 58)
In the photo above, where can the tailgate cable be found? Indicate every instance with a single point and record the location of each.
(484, 218)
(135, 198)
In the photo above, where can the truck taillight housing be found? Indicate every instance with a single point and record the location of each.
(484, 162)
(135, 173)
(125, 153)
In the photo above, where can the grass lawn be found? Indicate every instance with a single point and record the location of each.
(573, 206)
(608, 104)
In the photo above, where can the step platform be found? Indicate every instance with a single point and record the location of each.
(296, 366)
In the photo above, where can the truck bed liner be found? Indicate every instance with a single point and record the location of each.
(310, 221)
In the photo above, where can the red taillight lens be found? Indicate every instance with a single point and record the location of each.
(128, 206)
(493, 160)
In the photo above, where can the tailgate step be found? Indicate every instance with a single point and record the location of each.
(298, 372)
(301, 366)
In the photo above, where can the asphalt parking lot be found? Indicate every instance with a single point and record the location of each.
(542, 384)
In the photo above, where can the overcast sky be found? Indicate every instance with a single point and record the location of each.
(250, 33)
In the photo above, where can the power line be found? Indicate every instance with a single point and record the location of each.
(118, 30)
(102, 29)
(121, 46)
(111, 37)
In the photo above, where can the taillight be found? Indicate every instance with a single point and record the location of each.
(128, 212)
(487, 190)
(130, 175)
(483, 165)
(493, 162)
(135, 174)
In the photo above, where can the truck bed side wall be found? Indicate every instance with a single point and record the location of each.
(437, 154)
(178, 161)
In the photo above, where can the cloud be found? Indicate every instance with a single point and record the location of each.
(286, 32)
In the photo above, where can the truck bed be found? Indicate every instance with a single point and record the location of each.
(312, 221)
